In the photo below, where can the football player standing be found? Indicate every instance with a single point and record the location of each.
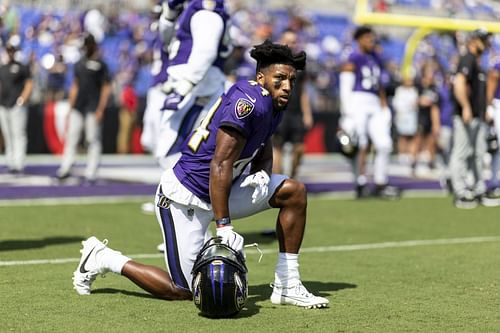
(16, 84)
(196, 54)
(224, 173)
(469, 128)
(195, 43)
(88, 99)
(365, 113)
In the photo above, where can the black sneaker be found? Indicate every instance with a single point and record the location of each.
(449, 185)
(15, 172)
(465, 202)
(491, 198)
(387, 192)
(62, 176)
(362, 191)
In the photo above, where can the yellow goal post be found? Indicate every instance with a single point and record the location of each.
(424, 25)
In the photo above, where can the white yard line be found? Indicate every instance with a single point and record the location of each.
(92, 200)
(318, 249)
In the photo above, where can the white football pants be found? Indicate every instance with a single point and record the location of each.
(184, 226)
(76, 123)
(374, 124)
(176, 125)
(13, 124)
(152, 118)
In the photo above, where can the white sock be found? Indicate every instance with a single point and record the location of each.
(287, 270)
(361, 180)
(112, 260)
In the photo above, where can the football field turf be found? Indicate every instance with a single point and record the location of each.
(416, 265)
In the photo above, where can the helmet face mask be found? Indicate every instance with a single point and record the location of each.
(219, 280)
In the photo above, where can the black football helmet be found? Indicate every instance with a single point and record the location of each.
(219, 280)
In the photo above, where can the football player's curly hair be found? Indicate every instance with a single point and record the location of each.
(269, 53)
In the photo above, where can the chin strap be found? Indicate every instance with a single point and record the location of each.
(258, 249)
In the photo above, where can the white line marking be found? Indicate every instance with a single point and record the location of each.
(317, 249)
(92, 200)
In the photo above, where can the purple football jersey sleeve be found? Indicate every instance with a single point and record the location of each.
(246, 108)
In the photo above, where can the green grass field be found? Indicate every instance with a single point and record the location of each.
(421, 288)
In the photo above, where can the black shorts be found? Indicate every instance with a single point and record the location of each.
(424, 123)
(291, 129)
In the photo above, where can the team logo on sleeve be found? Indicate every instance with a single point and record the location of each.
(243, 108)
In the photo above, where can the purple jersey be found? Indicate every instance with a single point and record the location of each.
(183, 31)
(247, 108)
(497, 92)
(368, 71)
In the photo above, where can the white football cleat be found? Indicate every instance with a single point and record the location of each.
(297, 295)
(88, 268)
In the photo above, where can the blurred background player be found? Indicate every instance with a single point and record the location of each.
(155, 96)
(405, 103)
(15, 88)
(197, 53)
(428, 119)
(190, 77)
(88, 99)
(297, 120)
(469, 130)
(366, 115)
(445, 138)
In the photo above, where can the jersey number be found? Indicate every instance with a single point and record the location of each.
(202, 133)
(263, 90)
(370, 77)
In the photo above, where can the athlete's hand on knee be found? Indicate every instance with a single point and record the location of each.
(230, 237)
(260, 182)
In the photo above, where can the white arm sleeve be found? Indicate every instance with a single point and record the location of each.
(166, 29)
(347, 80)
(207, 29)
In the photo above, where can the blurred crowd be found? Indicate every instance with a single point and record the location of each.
(475, 9)
(50, 43)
